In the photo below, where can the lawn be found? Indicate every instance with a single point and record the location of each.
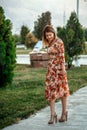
(23, 51)
(25, 96)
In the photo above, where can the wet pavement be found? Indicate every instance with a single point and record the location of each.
(77, 115)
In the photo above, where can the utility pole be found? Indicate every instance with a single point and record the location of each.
(64, 17)
(78, 9)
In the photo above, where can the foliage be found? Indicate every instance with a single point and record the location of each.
(31, 40)
(42, 20)
(26, 94)
(73, 37)
(7, 50)
(17, 39)
(76, 44)
(85, 31)
(23, 33)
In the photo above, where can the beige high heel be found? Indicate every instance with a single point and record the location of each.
(53, 119)
(64, 117)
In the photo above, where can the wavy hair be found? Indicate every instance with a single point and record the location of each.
(47, 28)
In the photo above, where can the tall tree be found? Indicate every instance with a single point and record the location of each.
(7, 50)
(42, 20)
(17, 39)
(73, 37)
(85, 31)
(76, 44)
(31, 40)
(23, 33)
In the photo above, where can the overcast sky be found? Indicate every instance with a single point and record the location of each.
(27, 11)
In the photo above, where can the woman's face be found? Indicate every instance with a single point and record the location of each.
(49, 36)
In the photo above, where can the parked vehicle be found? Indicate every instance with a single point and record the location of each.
(38, 46)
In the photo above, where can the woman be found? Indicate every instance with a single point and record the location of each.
(56, 78)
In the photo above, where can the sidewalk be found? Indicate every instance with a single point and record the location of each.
(77, 116)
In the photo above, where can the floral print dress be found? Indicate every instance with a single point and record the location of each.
(56, 77)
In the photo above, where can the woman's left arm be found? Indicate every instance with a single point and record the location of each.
(62, 58)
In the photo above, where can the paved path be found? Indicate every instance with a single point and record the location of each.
(77, 119)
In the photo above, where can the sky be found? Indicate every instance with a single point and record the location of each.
(26, 12)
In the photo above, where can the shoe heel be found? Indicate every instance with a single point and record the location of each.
(51, 121)
(66, 115)
(55, 118)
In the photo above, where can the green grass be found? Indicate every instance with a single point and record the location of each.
(26, 94)
(85, 51)
(23, 51)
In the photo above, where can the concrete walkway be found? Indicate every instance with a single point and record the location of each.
(77, 116)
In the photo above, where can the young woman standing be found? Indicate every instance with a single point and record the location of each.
(56, 77)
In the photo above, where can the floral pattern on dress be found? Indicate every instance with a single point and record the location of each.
(56, 76)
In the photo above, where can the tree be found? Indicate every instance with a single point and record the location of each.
(85, 31)
(73, 37)
(23, 33)
(31, 40)
(77, 42)
(7, 50)
(42, 20)
(17, 39)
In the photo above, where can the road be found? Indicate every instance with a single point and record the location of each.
(25, 59)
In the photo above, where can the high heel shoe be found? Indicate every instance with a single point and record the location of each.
(64, 117)
(53, 119)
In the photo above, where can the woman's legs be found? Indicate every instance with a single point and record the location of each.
(64, 102)
(52, 107)
(64, 112)
(53, 113)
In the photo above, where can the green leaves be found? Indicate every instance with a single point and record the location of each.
(73, 37)
(7, 50)
(2, 53)
(23, 33)
(42, 20)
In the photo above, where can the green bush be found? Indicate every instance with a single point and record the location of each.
(7, 50)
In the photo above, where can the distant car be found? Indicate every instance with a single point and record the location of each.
(21, 46)
(38, 46)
